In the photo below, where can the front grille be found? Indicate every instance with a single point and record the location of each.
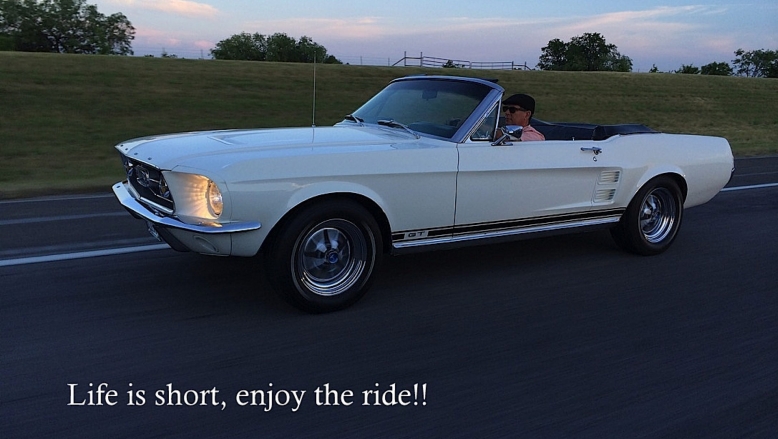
(148, 182)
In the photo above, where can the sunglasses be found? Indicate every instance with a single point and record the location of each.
(512, 109)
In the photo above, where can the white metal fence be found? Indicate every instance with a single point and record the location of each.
(431, 61)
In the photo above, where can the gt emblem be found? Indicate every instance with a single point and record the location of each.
(416, 235)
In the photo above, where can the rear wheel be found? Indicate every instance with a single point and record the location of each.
(652, 219)
(324, 258)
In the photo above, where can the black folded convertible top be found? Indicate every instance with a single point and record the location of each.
(584, 131)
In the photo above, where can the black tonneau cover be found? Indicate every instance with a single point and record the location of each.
(584, 131)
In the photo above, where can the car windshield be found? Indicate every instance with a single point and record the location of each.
(431, 106)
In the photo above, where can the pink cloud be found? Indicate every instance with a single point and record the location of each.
(177, 7)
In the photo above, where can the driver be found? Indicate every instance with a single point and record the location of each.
(518, 110)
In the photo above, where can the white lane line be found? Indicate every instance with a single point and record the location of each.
(57, 198)
(81, 255)
(12, 222)
(743, 188)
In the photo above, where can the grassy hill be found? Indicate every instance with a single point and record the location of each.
(60, 115)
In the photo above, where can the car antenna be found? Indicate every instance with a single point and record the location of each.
(313, 116)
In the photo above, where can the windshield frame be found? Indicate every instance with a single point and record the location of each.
(492, 94)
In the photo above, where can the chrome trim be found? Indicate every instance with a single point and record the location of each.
(162, 209)
(135, 195)
(507, 232)
(478, 115)
(141, 211)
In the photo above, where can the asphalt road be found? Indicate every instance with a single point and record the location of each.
(556, 337)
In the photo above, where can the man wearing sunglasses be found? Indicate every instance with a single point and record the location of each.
(518, 110)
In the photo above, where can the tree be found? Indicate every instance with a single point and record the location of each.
(330, 59)
(615, 62)
(554, 56)
(63, 26)
(587, 52)
(282, 48)
(278, 47)
(772, 72)
(688, 70)
(716, 69)
(756, 63)
(243, 46)
(309, 51)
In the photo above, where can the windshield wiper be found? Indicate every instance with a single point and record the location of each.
(394, 124)
(353, 118)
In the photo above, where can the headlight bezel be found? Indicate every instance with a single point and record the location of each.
(199, 199)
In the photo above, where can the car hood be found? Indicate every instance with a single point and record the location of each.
(170, 150)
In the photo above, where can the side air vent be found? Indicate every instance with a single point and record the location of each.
(609, 177)
(604, 195)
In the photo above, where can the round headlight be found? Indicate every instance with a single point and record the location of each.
(214, 197)
(164, 190)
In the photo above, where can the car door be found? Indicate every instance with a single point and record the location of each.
(530, 184)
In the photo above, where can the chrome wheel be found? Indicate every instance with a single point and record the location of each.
(652, 219)
(658, 215)
(323, 258)
(331, 257)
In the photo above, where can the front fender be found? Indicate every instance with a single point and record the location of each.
(315, 190)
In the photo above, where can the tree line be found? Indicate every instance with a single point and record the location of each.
(278, 47)
(73, 26)
(753, 64)
(63, 26)
(590, 52)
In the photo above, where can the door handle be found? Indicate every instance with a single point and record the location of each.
(595, 149)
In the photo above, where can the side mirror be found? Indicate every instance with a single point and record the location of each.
(509, 133)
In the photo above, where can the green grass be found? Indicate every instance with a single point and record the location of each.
(60, 115)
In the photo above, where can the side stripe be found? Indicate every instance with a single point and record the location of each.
(504, 228)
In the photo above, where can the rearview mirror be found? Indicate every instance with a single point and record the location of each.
(429, 94)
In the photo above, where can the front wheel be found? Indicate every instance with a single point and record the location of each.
(652, 219)
(324, 258)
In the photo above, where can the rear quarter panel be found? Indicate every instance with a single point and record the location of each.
(705, 163)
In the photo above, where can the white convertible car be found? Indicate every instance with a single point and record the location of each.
(422, 165)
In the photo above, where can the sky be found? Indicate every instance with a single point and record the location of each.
(667, 34)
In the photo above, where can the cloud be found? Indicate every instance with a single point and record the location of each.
(204, 45)
(177, 7)
(655, 22)
(634, 28)
(357, 28)
(662, 18)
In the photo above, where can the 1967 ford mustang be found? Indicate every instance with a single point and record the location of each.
(424, 164)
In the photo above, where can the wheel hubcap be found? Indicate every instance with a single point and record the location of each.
(658, 215)
(331, 257)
